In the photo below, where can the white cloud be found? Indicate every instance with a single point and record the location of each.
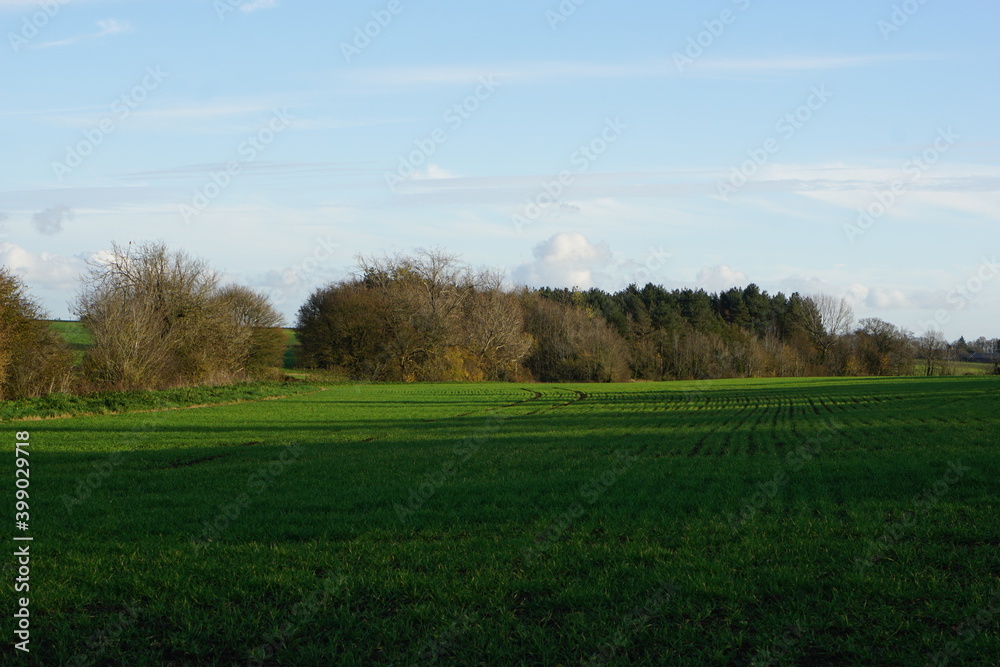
(720, 278)
(27, 3)
(44, 270)
(505, 73)
(106, 27)
(887, 299)
(804, 63)
(567, 259)
(534, 72)
(254, 5)
(432, 172)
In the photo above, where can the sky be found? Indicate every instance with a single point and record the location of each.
(848, 148)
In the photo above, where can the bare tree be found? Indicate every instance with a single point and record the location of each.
(159, 318)
(255, 341)
(425, 294)
(147, 310)
(932, 346)
(826, 320)
(884, 348)
(572, 344)
(493, 328)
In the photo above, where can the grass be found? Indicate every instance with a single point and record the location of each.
(290, 358)
(808, 522)
(79, 340)
(75, 335)
(968, 368)
(112, 402)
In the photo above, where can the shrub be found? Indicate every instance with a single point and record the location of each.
(160, 319)
(34, 359)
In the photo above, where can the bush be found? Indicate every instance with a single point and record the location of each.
(34, 359)
(159, 319)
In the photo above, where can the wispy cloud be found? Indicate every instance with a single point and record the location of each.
(255, 5)
(527, 72)
(810, 63)
(544, 71)
(222, 117)
(13, 4)
(50, 221)
(293, 169)
(433, 172)
(105, 28)
(808, 179)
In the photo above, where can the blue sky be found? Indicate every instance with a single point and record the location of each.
(849, 148)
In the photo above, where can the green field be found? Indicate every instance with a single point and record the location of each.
(75, 335)
(805, 522)
(79, 340)
(966, 368)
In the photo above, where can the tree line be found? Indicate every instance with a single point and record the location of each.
(159, 318)
(429, 316)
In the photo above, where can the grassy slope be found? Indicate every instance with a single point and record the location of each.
(73, 333)
(525, 537)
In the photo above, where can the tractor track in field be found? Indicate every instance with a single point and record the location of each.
(977, 424)
(752, 446)
(828, 406)
(580, 396)
(824, 404)
(701, 442)
(918, 428)
(764, 419)
(754, 443)
(763, 413)
(779, 446)
(187, 464)
(796, 433)
(534, 397)
(730, 434)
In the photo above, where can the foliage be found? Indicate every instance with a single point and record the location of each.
(161, 319)
(573, 344)
(426, 317)
(254, 338)
(431, 317)
(34, 359)
(111, 402)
